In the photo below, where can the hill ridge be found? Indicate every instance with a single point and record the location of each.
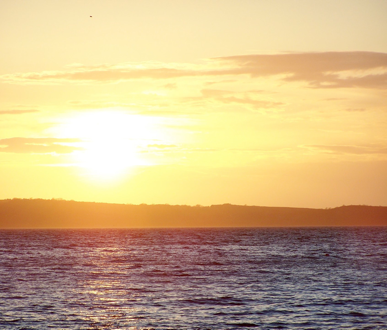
(57, 213)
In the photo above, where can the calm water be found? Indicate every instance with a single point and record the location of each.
(194, 279)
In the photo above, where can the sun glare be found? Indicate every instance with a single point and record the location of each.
(111, 141)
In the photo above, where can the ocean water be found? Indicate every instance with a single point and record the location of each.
(310, 278)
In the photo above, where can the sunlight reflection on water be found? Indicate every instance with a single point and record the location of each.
(194, 279)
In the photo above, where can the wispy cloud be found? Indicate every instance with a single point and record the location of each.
(92, 104)
(162, 146)
(245, 99)
(102, 74)
(318, 70)
(16, 112)
(37, 145)
(355, 110)
(348, 149)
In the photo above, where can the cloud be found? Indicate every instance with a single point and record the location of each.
(355, 110)
(162, 146)
(170, 86)
(172, 148)
(91, 104)
(16, 112)
(228, 97)
(103, 74)
(353, 150)
(37, 145)
(318, 70)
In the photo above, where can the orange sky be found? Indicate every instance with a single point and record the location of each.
(275, 103)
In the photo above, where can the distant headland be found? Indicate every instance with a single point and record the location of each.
(40, 213)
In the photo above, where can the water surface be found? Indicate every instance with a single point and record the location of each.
(310, 278)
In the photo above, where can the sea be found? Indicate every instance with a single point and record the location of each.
(245, 278)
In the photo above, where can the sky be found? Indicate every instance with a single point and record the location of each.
(270, 103)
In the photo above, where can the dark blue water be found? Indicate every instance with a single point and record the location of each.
(326, 278)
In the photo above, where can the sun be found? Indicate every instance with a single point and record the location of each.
(110, 142)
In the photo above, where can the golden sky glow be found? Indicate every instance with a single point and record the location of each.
(276, 103)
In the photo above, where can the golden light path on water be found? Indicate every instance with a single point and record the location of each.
(111, 142)
(197, 278)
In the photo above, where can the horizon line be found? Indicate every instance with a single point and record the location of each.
(190, 205)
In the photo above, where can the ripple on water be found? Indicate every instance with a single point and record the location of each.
(194, 279)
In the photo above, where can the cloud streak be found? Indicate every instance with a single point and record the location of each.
(37, 145)
(245, 99)
(352, 150)
(17, 112)
(318, 70)
(103, 74)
